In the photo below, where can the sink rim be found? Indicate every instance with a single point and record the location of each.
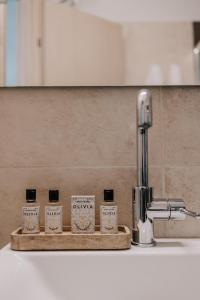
(164, 247)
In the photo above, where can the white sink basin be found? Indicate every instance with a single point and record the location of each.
(169, 271)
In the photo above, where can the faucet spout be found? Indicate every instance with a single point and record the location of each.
(144, 109)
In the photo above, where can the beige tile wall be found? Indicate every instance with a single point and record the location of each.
(82, 140)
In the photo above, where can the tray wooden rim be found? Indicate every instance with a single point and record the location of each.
(122, 230)
(69, 241)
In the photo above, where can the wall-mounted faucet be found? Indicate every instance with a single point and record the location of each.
(146, 209)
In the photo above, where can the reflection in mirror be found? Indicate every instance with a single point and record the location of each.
(2, 43)
(98, 42)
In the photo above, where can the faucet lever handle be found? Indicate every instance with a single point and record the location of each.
(190, 213)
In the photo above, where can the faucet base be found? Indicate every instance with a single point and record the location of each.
(144, 245)
(143, 235)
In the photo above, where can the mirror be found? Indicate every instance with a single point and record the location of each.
(99, 42)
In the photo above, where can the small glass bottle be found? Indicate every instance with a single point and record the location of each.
(31, 213)
(108, 213)
(53, 214)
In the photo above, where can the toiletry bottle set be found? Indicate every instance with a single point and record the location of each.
(82, 214)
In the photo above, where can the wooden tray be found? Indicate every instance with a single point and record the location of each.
(70, 241)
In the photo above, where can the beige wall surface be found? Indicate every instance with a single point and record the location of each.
(82, 140)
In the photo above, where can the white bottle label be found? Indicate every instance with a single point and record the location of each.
(108, 219)
(53, 219)
(83, 214)
(31, 222)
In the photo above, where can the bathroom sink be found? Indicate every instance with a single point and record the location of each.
(171, 270)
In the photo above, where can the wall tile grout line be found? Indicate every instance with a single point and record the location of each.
(78, 167)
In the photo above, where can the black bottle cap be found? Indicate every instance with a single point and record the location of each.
(30, 195)
(108, 195)
(53, 195)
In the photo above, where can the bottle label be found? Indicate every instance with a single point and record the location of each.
(53, 219)
(108, 219)
(31, 222)
(83, 214)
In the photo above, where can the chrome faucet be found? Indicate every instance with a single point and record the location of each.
(146, 209)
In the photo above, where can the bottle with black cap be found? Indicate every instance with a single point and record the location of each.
(108, 213)
(31, 213)
(53, 214)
